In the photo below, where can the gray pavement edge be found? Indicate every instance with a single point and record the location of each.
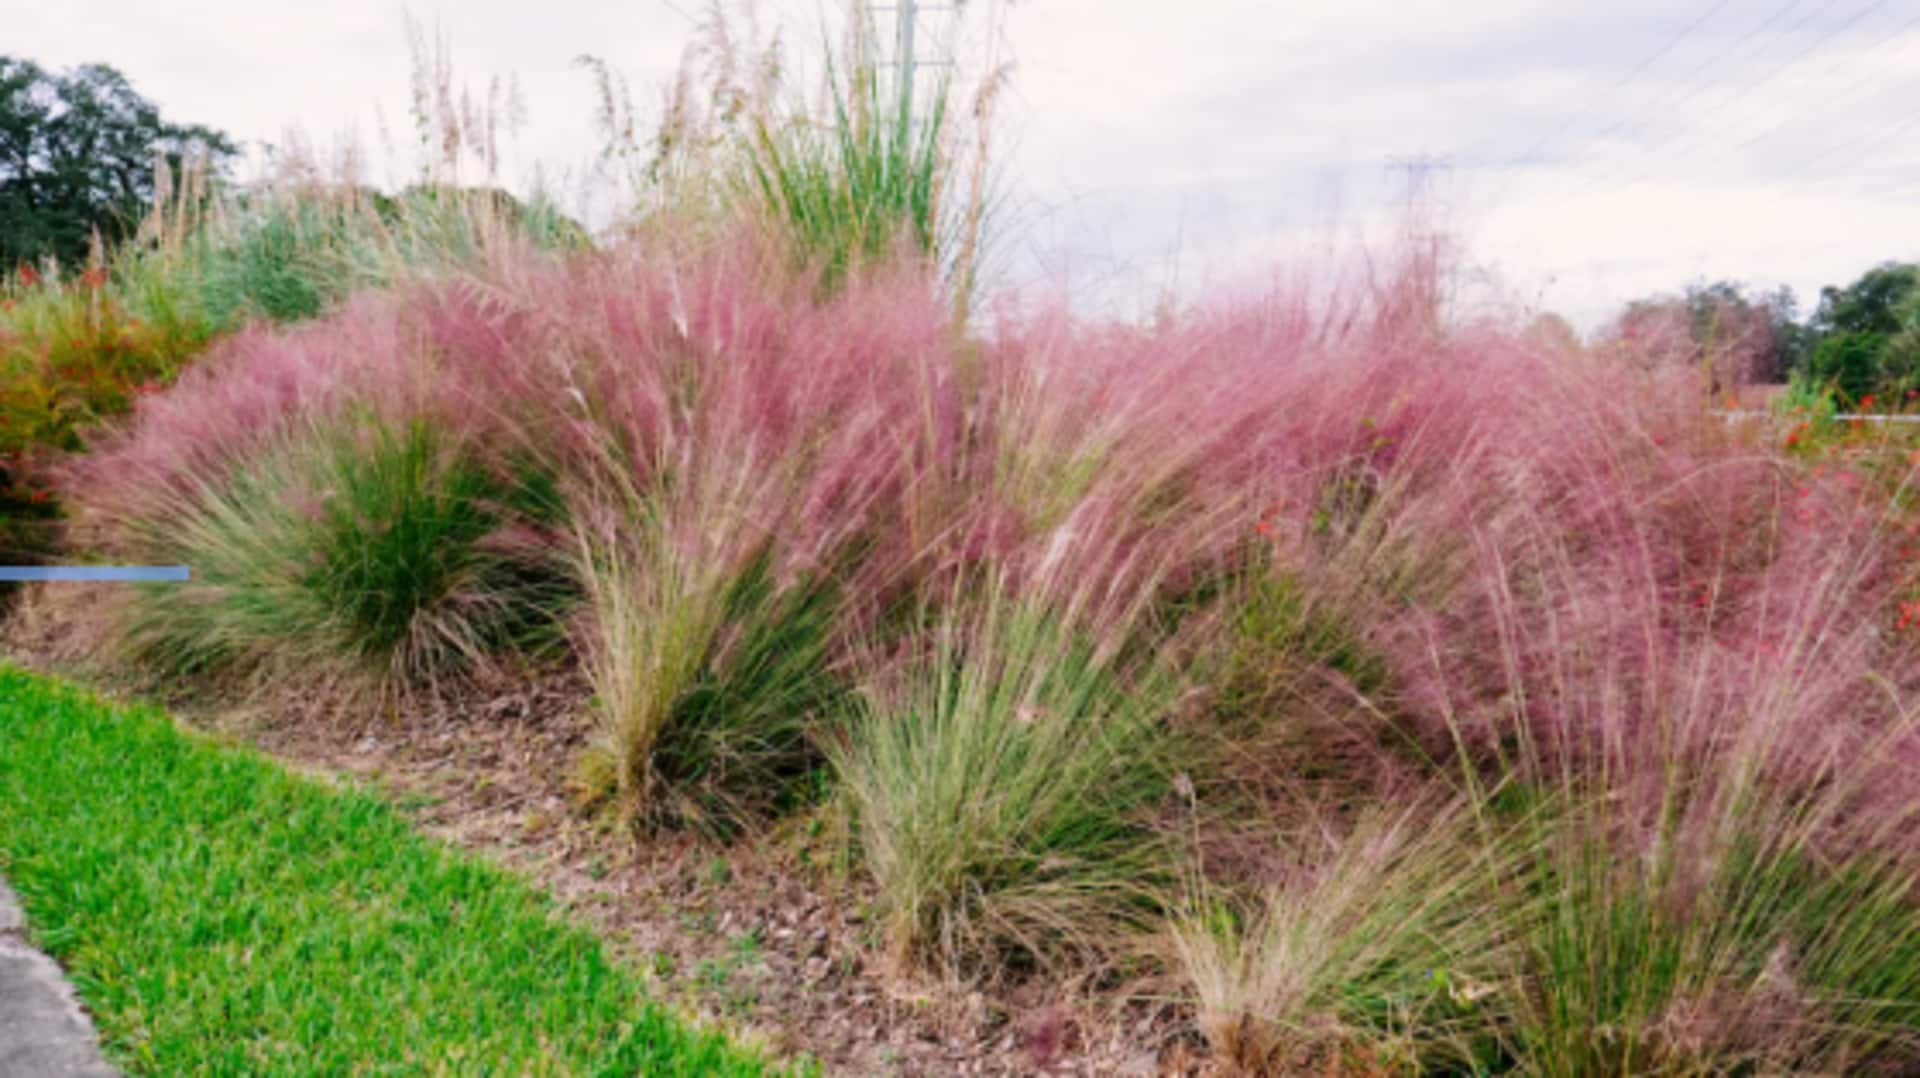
(43, 1031)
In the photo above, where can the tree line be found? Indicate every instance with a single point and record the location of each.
(79, 152)
(1861, 340)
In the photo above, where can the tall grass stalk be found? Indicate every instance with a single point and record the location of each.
(1721, 944)
(1380, 948)
(857, 179)
(708, 669)
(735, 486)
(1000, 783)
(864, 186)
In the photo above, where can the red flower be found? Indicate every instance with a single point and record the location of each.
(1866, 401)
(1909, 613)
(28, 276)
(95, 277)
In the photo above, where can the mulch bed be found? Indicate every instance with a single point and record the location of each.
(768, 937)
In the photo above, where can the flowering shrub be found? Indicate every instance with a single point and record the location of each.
(73, 354)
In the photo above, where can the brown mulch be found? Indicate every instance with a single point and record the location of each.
(769, 938)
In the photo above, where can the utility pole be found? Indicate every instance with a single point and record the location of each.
(906, 57)
(908, 14)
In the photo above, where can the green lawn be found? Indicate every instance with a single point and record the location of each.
(222, 916)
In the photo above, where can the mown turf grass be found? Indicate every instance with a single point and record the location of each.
(219, 915)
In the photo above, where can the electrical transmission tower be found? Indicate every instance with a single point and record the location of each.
(1419, 170)
(1422, 231)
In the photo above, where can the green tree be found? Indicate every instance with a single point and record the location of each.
(1871, 304)
(1867, 335)
(77, 155)
(1793, 340)
(1850, 362)
(1900, 358)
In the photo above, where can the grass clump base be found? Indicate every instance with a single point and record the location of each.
(998, 786)
(381, 554)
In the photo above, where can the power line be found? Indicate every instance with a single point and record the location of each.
(1640, 68)
(1647, 172)
(1512, 164)
(1703, 84)
(1887, 135)
(1895, 37)
(1792, 61)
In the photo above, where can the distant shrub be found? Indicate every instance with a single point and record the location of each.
(287, 254)
(1850, 362)
(268, 267)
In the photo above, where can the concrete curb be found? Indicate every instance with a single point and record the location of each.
(43, 1031)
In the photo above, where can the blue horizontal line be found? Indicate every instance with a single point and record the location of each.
(92, 572)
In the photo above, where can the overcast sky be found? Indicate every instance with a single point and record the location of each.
(1595, 151)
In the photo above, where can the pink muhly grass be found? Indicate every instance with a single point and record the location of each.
(253, 388)
(1567, 575)
(1557, 559)
(1568, 580)
(1580, 585)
